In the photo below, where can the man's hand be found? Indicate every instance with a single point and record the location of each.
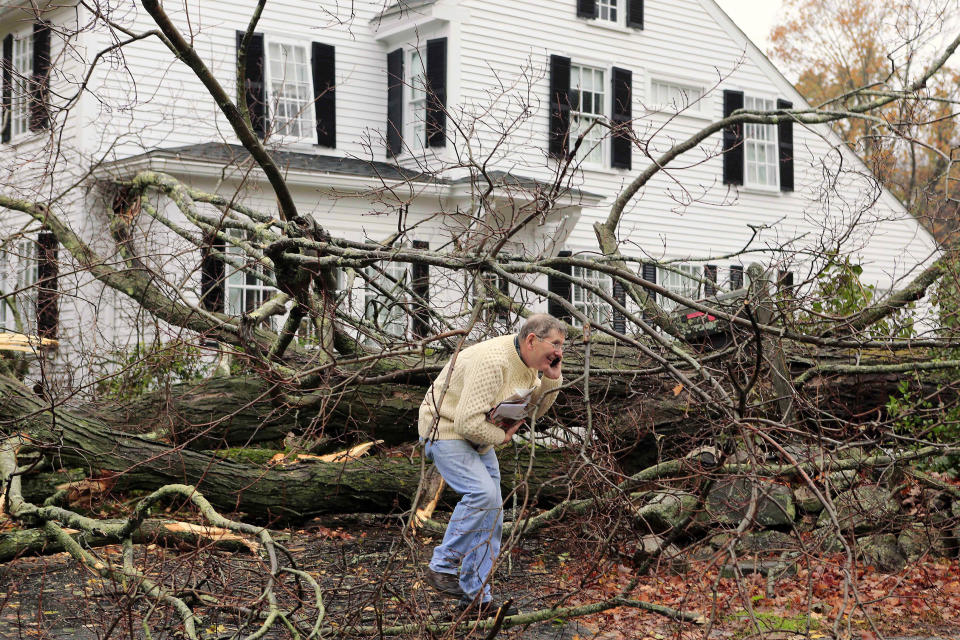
(512, 430)
(554, 370)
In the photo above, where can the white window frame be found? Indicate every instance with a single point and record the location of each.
(5, 290)
(671, 96)
(304, 114)
(593, 150)
(586, 301)
(610, 11)
(250, 292)
(476, 287)
(761, 163)
(392, 316)
(22, 277)
(22, 80)
(674, 280)
(415, 100)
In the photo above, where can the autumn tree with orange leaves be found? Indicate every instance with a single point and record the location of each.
(842, 53)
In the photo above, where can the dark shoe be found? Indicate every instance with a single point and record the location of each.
(488, 609)
(446, 583)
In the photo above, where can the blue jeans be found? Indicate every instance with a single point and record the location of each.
(472, 539)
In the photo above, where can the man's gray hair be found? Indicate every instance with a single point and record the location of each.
(540, 325)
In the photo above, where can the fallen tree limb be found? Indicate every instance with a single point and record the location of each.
(263, 493)
(169, 533)
(563, 613)
(674, 468)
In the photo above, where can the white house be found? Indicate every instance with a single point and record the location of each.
(339, 91)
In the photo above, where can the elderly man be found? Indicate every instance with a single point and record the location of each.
(460, 424)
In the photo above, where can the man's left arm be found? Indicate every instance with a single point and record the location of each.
(546, 394)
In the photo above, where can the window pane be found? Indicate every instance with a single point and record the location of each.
(387, 312)
(607, 10)
(22, 70)
(245, 291)
(588, 302)
(290, 89)
(683, 280)
(676, 97)
(760, 141)
(587, 106)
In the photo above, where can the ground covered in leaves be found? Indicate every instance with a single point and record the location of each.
(370, 577)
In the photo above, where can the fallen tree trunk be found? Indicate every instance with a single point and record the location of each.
(240, 411)
(263, 493)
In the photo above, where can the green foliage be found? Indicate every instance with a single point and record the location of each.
(920, 417)
(945, 297)
(839, 293)
(153, 366)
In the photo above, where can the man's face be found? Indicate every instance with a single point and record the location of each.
(545, 353)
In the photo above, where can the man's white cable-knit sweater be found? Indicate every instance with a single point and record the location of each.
(484, 375)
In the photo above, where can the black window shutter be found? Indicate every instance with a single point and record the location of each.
(621, 149)
(635, 14)
(710, 279)
(732, 140)
(587, 8)
(6, 115)
(254, 91)
(436, 123)
(785, 147)
(395, 102)
(649, 273)
(620, 295)
(40, 81)
(504, 285)
(420, 283)
(323, 61)
(48, 314)
(736, 277)
(559, 106)
(212, 276)
(560, 287)
(785, 279)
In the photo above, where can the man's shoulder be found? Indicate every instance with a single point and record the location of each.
(493, 350)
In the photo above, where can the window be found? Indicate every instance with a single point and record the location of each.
(22, 73)
(760, 147)
(736, 277)
(19, 274)
(6, 316)
(417, 101)
(683, 280)
(485, 287)
(587, 101)
(607, 10)
(387, 312)
(675, 97)
(586, 301)
(245, 292)
(291, 94)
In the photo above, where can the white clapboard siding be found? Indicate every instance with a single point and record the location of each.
(143, 98)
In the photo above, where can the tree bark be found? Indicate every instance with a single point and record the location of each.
(34, 542)
(239, 411)
(262, 493)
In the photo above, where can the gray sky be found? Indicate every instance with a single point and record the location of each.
(753, 16)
